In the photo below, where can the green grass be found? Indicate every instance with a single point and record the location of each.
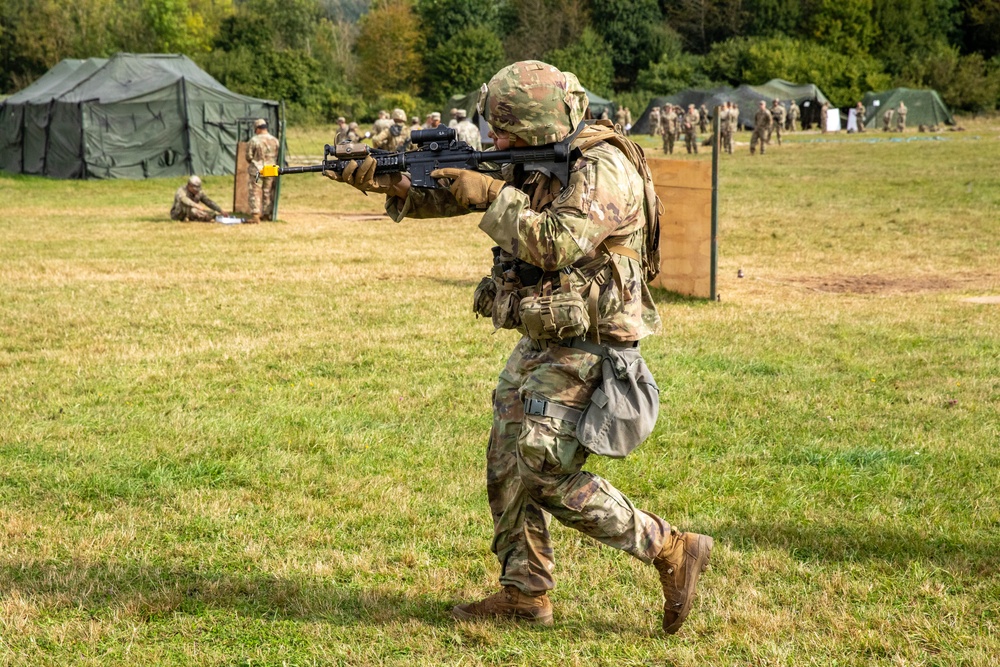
(263, 445)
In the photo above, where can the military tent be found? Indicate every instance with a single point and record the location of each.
(599, 105)
(133, 116)
(808, 96)
(923, 107)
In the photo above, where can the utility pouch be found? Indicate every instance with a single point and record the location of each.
(482, 301)
(505, 309)
(623, 409)
(555, 317)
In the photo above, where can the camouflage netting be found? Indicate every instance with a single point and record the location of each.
(133, 116)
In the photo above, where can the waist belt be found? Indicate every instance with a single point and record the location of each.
(594, 348)
(541, 408)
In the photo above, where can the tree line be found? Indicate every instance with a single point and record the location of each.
(328, 58)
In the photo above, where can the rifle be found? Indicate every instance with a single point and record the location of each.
(439, 149)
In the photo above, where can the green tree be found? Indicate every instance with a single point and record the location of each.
(388, 49)
(540, 26)
(842, 25)
(589, 59)
(463, 63)
(634, 31)
(964, 81)
(768, 18)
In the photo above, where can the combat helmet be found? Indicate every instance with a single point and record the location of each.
(194, 182)
(534, 101)
(399, 115)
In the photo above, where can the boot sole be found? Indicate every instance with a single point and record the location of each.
(703, 552)
(463, 615)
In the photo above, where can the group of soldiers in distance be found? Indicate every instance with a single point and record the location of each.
(391, 132)
(672, 121)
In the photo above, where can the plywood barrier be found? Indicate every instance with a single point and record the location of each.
(241, 184)
(685, 187)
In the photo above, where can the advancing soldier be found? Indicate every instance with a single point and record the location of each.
(793, 116)
(671, 125)
(901, 117)
(778, 116)
(341, 130)
(761, 124)
(654, 121)
(467, 132)
(397, 136)
(558, 244)
(727, 119)
(191, 203)
(859, 116)
(703, 119)
(887, 120)
(689, 124)
(261, 149)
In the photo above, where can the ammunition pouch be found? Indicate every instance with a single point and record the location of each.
(486, 293)
(554, 317)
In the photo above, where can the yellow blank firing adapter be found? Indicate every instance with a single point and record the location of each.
(269, 170)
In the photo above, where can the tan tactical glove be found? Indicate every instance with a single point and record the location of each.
(471, 188)
(362, 176)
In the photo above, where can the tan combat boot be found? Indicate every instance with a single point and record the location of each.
(510, 602)
(682, 559)
(254, 219)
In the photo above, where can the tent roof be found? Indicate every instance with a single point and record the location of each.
(923, 107)
(469, 101)
(62, 78)
(786, 90)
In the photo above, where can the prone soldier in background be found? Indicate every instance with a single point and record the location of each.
(262, 149)
(191, 203)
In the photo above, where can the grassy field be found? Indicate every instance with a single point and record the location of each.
(264, 445)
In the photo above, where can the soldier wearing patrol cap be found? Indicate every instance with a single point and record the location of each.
(191, 203)
(466, 131)
(558, 246)
(261, 149)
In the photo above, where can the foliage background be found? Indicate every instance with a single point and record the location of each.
(348, 57)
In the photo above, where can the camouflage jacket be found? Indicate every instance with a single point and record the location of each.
(669, 122)
(469, 133)
(262, 149)
(388, 139)
(691, 120)
(565, 230)
(762, 119)
(778, 114)
(793, 111)
(184, 201)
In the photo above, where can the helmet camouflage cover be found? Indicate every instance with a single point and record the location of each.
(534, 101)
(399, 115)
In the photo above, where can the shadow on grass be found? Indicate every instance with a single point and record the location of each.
(863, 543)
(150, 593)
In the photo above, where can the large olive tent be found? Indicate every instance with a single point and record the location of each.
(808, 96)
(923, 107)
(133, 116)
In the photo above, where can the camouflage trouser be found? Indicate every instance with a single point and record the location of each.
(758, 136)
(691, 141)
(727, 141)
(668, 142)
(533, 471)
(775, 129)
(261, 195)
(194, 214)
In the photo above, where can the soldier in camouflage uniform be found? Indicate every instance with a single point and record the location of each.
(397, 136)
(191, 203)
(670, 124)
(620, 117)
(353, 132)
(901, 117)
(859, 116)
(727, 120)
(703, 119)
(654, 121)
(778, 118)
(793, 116)
(761, 124)
(381, 123)
(453, 123)
(689, 125)
(261, 149)
(887, 120)
(467, 132)
(341, 130)
(559, 239)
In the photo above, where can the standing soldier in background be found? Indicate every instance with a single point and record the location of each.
(341, 131)
(396, 137)
(453, 123)
(467, 132)
(901, 117)
(654, 121)
(761, 124)
(793, 116)
(778, 118)
(703, 119)
(628, 121)
(859, 116)
(727, 119)
(887, 120)
(381, 123)
(353, 132)
(822, 117)
(620, 117)
(690, 126)
(414, 124)
(433, 120)
(261, 149)
(670, 125)
(191, 203)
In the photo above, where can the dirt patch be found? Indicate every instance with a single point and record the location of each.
(988, 300)
(875, 284)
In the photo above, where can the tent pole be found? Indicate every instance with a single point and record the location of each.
(83, 145)
(187, 128)
(715, 204)
(281, 162)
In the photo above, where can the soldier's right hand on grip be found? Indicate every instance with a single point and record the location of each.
(362, 176)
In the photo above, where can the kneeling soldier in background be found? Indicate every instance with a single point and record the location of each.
(191, 203)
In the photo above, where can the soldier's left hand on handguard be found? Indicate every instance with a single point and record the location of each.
(472, 189)
(362, 176)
